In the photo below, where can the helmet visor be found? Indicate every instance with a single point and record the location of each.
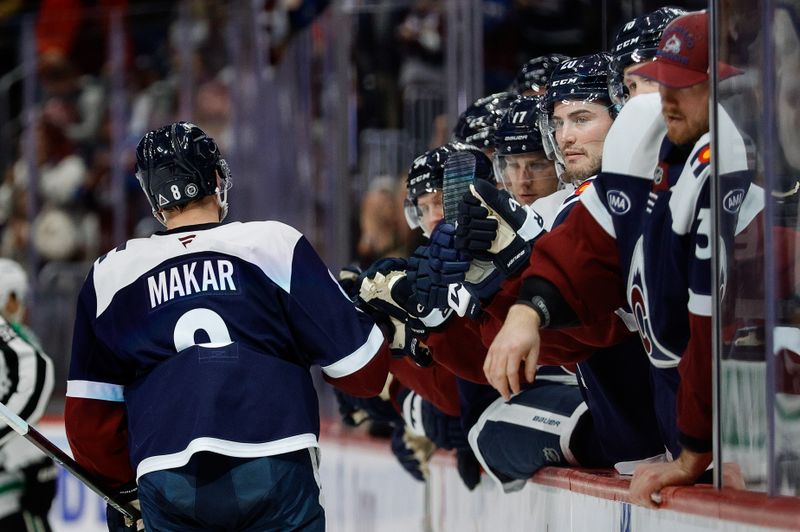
(413, 214)
(526, 176)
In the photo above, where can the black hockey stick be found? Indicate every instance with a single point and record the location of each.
(49, 448)
(459, 174)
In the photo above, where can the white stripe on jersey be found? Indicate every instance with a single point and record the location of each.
(686, 190)
(226, 448)
(598, 210)
(699, 304)
(102, 391)
(358, 358)
(632, 144)
(752, 205)
(266, 244)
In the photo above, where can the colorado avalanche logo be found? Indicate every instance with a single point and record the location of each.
(636, 300)
(659, 356)
(673, 45)
(618, 202)
(733, 200)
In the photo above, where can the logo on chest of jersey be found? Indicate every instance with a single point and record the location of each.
(639, 302)
(733, 200)
(618, 202)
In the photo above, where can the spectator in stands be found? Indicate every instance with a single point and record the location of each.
(62, 229)
(72, 100)
(383, 231)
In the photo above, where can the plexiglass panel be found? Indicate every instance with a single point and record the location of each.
(760, 382)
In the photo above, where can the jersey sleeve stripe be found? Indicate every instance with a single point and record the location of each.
(595, 206)
(699, 304)
(358, 358)
(102, 391)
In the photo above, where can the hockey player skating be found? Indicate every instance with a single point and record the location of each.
(27, 478)
(191, 351)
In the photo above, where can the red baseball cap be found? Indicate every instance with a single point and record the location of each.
(682, 56)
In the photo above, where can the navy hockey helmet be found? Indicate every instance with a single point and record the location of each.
(534, 75)
(518, 134)
(518, 130)
(637, 42)
(177, 164)
(476, 125)
(583, 79)
(426, 175)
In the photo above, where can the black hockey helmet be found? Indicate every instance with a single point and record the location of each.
(177, 164)
(477, 123)
(534, 75)
(427, 175)
(517, 134)
(518, 131)
(637, 42)
(583, 78)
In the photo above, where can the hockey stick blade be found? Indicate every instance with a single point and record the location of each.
(459, 174)
(21, 427)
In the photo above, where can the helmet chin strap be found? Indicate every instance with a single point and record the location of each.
(222, 201)
(159, 215)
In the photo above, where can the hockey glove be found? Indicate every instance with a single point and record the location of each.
(384, 287)
(128, 494)
(356, 410)
(438, 272)
(348, 280)
(390, 295)
(517, 226)
(412, 451)
(424, 419)
(469, 469)
(40, 487)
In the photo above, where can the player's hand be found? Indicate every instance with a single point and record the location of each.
(517, 342)
(649, 479)
(116, 522)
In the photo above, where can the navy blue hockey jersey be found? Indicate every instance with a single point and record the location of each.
(201, 339)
